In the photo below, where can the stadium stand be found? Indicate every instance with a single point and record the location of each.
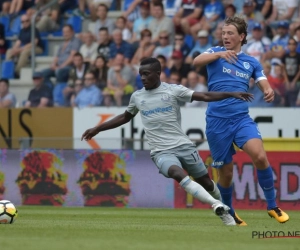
(81, 21)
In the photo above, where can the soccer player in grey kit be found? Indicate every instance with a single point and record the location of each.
(171, 150)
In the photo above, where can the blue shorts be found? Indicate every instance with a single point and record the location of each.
(222, 133)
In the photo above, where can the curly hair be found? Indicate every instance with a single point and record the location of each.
(240, 24)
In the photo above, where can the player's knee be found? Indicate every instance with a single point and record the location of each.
(260, 159)
(176, 173)
(205, 182)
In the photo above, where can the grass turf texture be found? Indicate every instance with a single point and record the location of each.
(113, 228)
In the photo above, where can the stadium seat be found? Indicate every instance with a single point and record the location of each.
(16, 26)
(8, 69)
(58, 96)
(189, 40)
(5, 21)
(46, 47)
(76, 23)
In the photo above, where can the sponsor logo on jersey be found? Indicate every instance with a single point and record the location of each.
(143, 102)
(156, 110)
(246, 65)
(165, 97)
(236, 73)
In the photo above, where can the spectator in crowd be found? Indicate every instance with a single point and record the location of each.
(121, 25)
(79, 67)
(259, 44)
(283, 10)
(100, 70)
(193, 83)
(164, 66)
(77, 71)
(180, 44)
(276, 80)
(5, 7)
(104, 43)
(92, 6)
(291, 66)
(3, 43)
(7, 99)
(217, 35)
(119, 46)
(78, 86)
(143, 21)
(89, 48)
(201, 45)
(131, 10)
(188, 15)
(90, 95)
(41, 95)
(201, 71)
(265, 7)
(175, 78)
(279, 43)
(22, 47)
(179, 66)
(120, 82)
(103, 21)
(297, 38)
(164, 48)
(230, 10)
(163, 77)
(251, 16)
(160, 23)
(63, 61)
(213, 13)
(17, 5)
(49, 21)
(145, 48)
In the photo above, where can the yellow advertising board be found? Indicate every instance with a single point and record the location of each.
(37, 128)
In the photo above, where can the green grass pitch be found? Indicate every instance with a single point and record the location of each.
(57, 228)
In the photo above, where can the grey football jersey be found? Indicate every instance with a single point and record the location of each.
(160, 113)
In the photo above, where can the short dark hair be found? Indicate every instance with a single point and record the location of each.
(69, 26)
(5, 80)
(123, 18)
(103, 29)
(103, 5)
(159, 4)
(231, 6)
(162, 57)
(151, 61)
(78, 54)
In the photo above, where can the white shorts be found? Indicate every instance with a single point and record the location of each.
(184, 156)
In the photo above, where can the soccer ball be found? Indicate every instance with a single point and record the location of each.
(8, 212)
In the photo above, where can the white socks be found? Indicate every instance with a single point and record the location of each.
(216, 192)
(198, 191)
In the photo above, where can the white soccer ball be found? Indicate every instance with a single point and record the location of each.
(8, 212)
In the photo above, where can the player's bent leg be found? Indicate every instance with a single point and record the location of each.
(210, 186)
(254, 148)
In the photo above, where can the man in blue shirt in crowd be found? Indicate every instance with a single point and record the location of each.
(228, 121)
(90, 95)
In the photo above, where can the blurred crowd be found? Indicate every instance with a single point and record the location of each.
(99, 67)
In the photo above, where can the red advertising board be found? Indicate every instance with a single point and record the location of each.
(247, 193)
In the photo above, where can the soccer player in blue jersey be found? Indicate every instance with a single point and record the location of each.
(171, 150)
(228, 121)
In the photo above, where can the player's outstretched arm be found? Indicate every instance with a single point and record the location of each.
(113, 123)
(206, 58)
(217, 96)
